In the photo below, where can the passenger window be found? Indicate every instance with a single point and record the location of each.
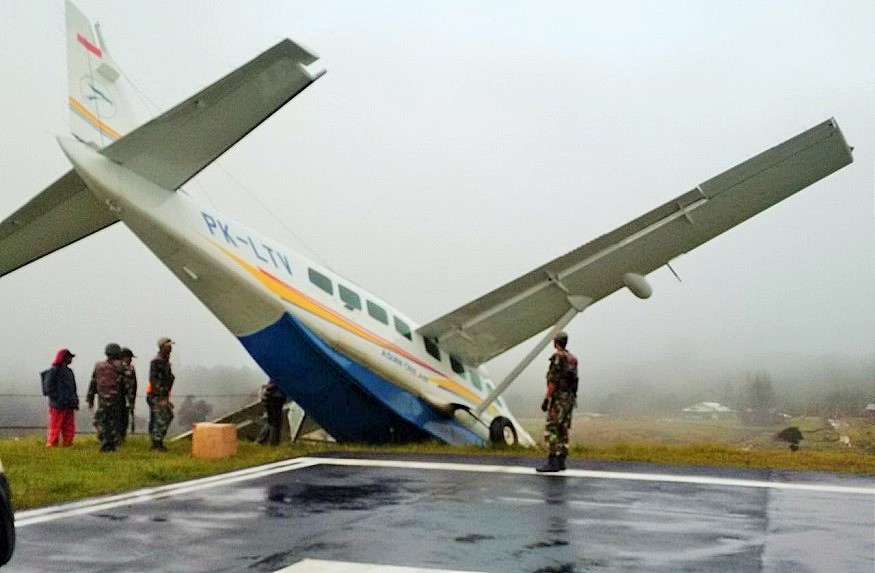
(402, 328)
(378, 312)
(321, 281)
(458, 367)
(351, 299)
(476, 379)
(432, 348)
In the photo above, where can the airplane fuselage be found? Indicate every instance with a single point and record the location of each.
(351, 360)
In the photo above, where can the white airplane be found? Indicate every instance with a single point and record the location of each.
(359, 367)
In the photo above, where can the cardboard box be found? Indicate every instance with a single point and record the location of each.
(214, 440)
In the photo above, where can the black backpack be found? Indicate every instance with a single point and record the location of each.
(45, 380)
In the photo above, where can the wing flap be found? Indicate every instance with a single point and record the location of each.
(503, 318)
(174, 147)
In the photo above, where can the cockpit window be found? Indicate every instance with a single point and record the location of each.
(432, 347)
(458, 367)
(475, 378)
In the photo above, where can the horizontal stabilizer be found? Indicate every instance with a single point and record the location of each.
(174, 147)
(63, 213)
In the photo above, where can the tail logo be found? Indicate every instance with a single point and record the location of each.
(97, 96)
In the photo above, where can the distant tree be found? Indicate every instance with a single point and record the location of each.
(760, 399)
(846, 401)
(727, 395)
(192, 412)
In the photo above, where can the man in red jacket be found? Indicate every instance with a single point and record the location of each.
(60, 387)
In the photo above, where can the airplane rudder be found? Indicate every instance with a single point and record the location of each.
(100, 112)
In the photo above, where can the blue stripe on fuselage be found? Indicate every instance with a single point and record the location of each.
(351, 402)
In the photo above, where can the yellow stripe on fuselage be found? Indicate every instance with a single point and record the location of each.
(304, 302)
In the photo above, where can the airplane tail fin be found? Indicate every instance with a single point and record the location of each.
(168, 150)
(100, 110)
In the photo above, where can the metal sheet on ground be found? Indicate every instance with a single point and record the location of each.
(449, 515)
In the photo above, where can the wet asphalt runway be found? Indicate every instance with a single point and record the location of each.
(436, 513)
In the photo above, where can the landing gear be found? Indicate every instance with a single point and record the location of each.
(501, 431)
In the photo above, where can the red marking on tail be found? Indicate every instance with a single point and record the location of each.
(89, 46)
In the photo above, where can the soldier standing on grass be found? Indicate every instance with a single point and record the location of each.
(128, 391)
(105, 381)
(559, 403)
(158, 393)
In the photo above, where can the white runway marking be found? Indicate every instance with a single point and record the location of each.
(51, 513)
(319, 566)
(702, 480)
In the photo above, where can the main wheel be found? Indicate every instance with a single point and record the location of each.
(501, 431)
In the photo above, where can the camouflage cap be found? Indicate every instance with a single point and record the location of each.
(164, 340)
(128, 352)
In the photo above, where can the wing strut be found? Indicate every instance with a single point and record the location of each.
(577, 304)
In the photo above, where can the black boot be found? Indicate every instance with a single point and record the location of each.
(560, 460)
(157, 445)
(552, 465)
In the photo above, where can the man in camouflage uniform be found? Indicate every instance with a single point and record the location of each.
(105, 386)
(559, 403)
(128, 391)
(273, 400)
(158, 393)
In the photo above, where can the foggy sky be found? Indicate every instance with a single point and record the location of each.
(454, 146)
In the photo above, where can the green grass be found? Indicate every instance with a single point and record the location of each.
(722, 455)
(40, 476)
(818, 435)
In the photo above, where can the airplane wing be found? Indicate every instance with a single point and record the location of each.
(174, 147)
(501, 319)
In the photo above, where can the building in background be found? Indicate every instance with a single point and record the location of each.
(708, 411)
